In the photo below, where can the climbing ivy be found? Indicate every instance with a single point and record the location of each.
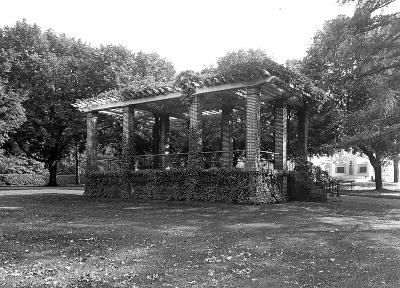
(212, 185)
(245, 65)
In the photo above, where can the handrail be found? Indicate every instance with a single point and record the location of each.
(181, 153)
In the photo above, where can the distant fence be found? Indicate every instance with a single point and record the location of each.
(37, 179)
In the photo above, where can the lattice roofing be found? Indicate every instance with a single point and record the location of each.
(166, 99)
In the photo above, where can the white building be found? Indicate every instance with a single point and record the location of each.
(347, 165)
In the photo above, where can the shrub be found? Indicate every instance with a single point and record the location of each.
(23, 179)
(36, 179)
(19, 165)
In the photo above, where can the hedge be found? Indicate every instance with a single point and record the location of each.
(23, 179)
(213, 185)
(36, 179)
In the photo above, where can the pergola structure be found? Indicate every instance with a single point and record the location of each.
(212, 96)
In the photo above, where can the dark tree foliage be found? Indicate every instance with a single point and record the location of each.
(12, 114)
(54, 71)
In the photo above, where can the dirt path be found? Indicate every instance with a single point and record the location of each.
(7, 191)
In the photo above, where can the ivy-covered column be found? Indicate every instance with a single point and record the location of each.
(280, 162)
(128, 141)
(302, 132)
(91, 141)
(163, 147)
(156, 141)
(226, 136)
(195, 133)
(252, 130)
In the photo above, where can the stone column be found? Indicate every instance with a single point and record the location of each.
(252, 130)
(155, 160)
(128, 138)
(91, 141)
(280, 162)
(163, 147)
(195, 134)
(156, 133)
(226, 136)
(302, 132)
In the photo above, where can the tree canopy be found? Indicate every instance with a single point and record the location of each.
(54, 71)
(357, 60)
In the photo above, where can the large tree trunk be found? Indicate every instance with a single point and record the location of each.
(52, 166)
(378, 176)
(396, 168)
(76, 164)
(376, 162)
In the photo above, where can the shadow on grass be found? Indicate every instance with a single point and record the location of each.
(70, 241)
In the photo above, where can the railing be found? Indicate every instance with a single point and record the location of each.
(211, 159)
(322, 178)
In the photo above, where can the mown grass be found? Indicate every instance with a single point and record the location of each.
(55, 240)
(367, 189)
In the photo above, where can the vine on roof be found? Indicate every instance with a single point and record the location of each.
(187, 82)
(252, 64)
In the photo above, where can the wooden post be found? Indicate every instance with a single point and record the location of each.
(91, 141)
(226, 136)
(302, 132)
(280, 162)
(195, 134)
(252, 130)
(128, 139)
(163, 147)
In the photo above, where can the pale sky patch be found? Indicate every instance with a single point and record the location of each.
(191, 34)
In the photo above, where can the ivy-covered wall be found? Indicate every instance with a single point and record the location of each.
(213, 185)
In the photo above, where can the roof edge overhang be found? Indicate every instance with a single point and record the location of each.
(272, 88)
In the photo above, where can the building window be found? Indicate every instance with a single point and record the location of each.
(362, 169)
(340, 170)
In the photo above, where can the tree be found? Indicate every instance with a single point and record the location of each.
(54, 71)
(357, 59)
(53, 125)
(12, 114)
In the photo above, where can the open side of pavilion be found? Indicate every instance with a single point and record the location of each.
(192, 178)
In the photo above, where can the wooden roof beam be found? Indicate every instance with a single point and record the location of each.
(112, 113)
(158, 111)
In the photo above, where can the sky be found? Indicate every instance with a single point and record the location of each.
(190, 34)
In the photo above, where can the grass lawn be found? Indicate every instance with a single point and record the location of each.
(56, 240)
(367, 189)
